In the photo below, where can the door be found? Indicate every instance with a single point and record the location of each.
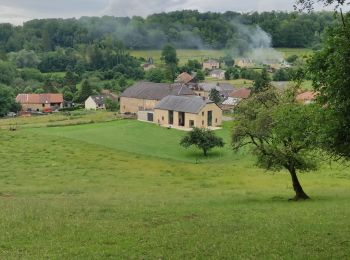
(181, 119)
(210, 118)
(171, 117)
(150, 117)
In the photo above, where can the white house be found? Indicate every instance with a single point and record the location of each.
(98, 101)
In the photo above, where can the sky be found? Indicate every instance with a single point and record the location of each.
(19, 11)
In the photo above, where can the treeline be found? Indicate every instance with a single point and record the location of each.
(183, 29)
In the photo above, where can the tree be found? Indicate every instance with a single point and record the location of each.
(214, 96)
(200, 75)
(112, 105)
(7, 101)
(155, 75)
(262, 82)
(309, 4)
(86, 91)
(330, 73)
(282, 75)
(24, 59)
(280, 132)
(204, 139)
(169, 56)
(7, 72)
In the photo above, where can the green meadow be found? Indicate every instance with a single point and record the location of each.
(201, 55)
(126, 190)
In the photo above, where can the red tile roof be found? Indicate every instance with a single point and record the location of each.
(39, 98)
(241, 93)
(184, 77)
(306, 96)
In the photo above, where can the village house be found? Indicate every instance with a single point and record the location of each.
(218, 74)
(234, 98)
(203, 89)
(98, 101)
(40, 102)
(143, 96)
(148, 66)
(211, 64)
(307, 97)
(186, 112)
(184, 78)
(245, 63)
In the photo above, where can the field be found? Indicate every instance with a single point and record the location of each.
(200, 55)
(125, 189)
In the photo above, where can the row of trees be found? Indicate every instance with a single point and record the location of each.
(183, 29)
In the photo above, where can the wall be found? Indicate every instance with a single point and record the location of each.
(37, 107)
(133, 105)
(200, 119)
(90, 104)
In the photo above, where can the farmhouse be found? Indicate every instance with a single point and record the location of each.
(144, 96)
(187, 112)
(40, 102)
(211, 65)
(98, 101)
(184, 78)
(245, 63)
(218, 74)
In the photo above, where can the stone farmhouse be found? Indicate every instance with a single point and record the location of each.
(171, 105)
(211, 64)
(40, 102)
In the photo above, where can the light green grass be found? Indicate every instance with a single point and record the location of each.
(70, 193)
(201, 55)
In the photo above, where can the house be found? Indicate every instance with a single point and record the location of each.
(245, 63)
(234, 98)
(40, 102)
(307, 97)
(187, 112)
(144, 96)
(218, 74)
(148, 66)
(98, 101)
(203, 89)
(211, 64)
(184, 78)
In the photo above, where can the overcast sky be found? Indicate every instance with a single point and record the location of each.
(18, 11)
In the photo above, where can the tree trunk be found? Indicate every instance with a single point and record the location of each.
(205, 152)
(299, 192)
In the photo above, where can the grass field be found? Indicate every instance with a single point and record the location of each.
(201, 55)
(126, 190)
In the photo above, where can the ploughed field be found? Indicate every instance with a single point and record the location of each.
(126, 189)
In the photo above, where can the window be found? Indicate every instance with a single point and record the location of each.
(43, 105)
(202, 122)
(191, 123)
(210, 118)
(162, 118)
(216, 120)
(202, 113)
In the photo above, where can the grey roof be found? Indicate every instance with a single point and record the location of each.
(218, 86)
(187, 104)
(156, 91)
(101, 99)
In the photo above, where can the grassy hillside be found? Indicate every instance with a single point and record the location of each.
(125, 189)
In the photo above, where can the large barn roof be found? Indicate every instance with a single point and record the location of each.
(187, 104)
(156, 91)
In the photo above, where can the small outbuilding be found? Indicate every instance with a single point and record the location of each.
(186, 112)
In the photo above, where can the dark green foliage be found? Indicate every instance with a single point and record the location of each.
(262, 82)
(281, 133)
(330, 73)
(112, 105)
(282, 75)
(214, 96)
(200, 75)
(232, 73)
(24, 59)
(155, 75)
(86, 91)
(7, 72)
(291, 59)
(7, 101)
(169, 56)
(204, 139)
